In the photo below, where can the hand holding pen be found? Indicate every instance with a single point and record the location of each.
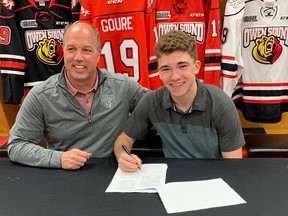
(128, 153)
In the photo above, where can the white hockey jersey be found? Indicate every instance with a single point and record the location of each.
(255, 57)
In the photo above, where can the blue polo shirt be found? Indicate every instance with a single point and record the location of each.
(210, 126)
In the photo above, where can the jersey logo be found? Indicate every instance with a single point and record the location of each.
(234, 3)
(150, 2)
(195, 29)
(50, 51)
(74, 3)
(108, 100)
(179, 6)
(9, 4)
(269, 12)
(161, 15)
(85, 12)
(267, 49)
(114, 2)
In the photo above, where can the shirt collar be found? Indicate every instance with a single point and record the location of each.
(72, 90)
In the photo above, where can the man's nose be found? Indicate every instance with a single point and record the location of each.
(175, 73)
(78, 55)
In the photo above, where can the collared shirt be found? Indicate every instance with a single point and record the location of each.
(210, 126)
(51, 109)
(85, 99)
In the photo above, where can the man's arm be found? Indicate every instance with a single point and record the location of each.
(38, 156)
(233, 154)
(126, 162)
(74, 159)
(135, 93)
(25, 135)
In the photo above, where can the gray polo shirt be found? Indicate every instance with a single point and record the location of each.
(49, 110)
(211, 125)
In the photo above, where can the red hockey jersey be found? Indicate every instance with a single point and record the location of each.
(127, 39)
(31, 42)
(201, 19)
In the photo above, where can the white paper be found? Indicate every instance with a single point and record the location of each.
(146, 180)
(196, 195)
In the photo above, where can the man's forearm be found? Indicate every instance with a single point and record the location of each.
(34, 155)
(122, 139)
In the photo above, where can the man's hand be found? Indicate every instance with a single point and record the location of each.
(74, 159)
(129, 164)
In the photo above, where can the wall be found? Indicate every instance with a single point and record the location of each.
(8, 114)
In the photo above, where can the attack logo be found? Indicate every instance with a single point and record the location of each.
(267, 49)
(179, 6)
(50, 51)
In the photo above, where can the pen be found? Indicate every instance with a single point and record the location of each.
(127, 151)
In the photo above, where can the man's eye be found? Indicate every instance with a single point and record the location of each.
(87, 50)
(164, 70)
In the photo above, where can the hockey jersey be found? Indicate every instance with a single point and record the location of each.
(127, 39)
(31, 42)
(254, 57)
(201, 19)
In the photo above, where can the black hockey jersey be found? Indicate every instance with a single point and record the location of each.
(31, 42)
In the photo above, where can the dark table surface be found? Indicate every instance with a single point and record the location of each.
(262, 183)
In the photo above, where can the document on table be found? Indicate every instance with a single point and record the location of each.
(146, 180)
(196, 195)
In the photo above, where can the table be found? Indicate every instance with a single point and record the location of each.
(267, 145)
(261, 182)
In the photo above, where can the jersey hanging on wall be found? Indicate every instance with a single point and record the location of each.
(31, 42)
(125, 32)
(201, 19)
(255, 58)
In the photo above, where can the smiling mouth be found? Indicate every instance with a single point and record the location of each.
(176, 84)
(79, 66)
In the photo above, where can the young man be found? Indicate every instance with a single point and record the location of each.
(79, 112)
(193, 120)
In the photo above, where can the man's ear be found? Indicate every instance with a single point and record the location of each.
(98, 58)
(197, 66)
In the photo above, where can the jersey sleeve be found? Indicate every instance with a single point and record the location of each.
(12, 58)
(151, 34)
(212, 56)
(232, 62)
(75, 10)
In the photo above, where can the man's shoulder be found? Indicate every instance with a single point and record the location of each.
(119, 82)
(47, 84)
(214, 91)
(116, 77)
(156, 96)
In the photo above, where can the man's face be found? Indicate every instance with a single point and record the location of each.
(177, 71)
(81, 55)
